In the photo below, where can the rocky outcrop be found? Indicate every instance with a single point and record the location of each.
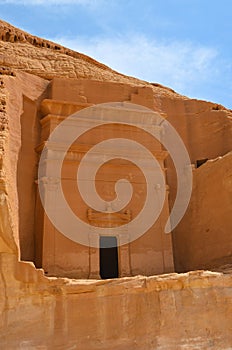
(23, 51)
(174, 311)
(9, 33)
(203, 239)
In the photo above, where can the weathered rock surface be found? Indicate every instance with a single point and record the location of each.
(175, 311)
(203, 239)
(20, 50)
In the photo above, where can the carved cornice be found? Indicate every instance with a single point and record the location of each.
(75, 152)
(61, 108)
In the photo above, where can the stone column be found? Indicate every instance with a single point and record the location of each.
(94, 260)
(49, 187)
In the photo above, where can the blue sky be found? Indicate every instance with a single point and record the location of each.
(183, 44)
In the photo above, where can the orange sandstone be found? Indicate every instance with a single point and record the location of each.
(170, 311)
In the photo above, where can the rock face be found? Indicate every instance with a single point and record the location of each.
(173, 311)
(188, 311)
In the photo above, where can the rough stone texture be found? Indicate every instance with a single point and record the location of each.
(48, 60)
(188, 311)
(206, 130)
(207, 241)
(176, 311)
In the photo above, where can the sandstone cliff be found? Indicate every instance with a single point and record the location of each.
(23, 51)
(176, 311)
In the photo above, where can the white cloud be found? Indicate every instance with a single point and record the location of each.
(50, 2)
(175, 64)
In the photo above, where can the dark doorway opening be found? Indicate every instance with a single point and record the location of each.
(200, 162)
(108, 257)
